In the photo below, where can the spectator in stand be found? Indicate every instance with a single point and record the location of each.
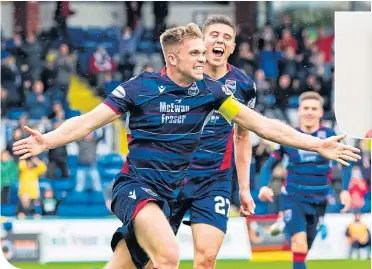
(282, 94)
(148, 68)
(160, 10)
(9, 175)
(26, 207)
(357, 188)
(61, 15)
(134, 13)
(33, 49)
(5, 106)
(247, 59)
(11, 81)
(49, 203)
(287, 41)
(29, 192)
(359, 237)
(325, 44)
(48, 75)
(58, 114)
(128, 43)
(100, 63)
(290, 63)
(38, 105)
(57, 159)
(268, 61)
(286, 25)
(17, 135)
(16, 49)
(87, 161)
(64, 67)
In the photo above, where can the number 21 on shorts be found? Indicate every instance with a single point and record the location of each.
(221, 204)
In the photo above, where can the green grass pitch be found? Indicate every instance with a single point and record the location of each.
(338, 264)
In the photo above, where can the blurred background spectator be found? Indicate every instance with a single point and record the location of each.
(359, 237)
(9, 175)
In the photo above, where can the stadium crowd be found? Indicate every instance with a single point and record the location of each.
(284, 61)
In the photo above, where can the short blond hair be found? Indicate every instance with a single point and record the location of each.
(176, 35)
(311, 96)
(219, 19)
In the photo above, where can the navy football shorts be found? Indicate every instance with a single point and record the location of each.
(301, 217)
(130, 196)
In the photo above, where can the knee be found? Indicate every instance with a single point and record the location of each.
(168, 257)
(205, 259)
(299, 244)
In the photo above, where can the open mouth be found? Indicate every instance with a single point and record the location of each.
(218, 52)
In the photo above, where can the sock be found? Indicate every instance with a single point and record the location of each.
(299, 259)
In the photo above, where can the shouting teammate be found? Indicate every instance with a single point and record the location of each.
(304, 194)
(167, 114)
(207, 193)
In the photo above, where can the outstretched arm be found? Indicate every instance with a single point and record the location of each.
(283, 134)
(79, 127)
(71, 130)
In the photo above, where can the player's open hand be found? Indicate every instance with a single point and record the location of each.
(247, 204)
(266, 194)
(30, 146)
(332, 149)
(345, 200)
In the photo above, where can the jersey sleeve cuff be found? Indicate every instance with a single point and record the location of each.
(230, 108)
(112, 107)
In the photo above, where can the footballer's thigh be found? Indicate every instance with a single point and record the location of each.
(121, 257)
(209, 217)
(156, 237)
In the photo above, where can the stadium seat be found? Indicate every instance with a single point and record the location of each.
(109, 86)
(63, 184)
(76, 198)
(269, 100)
(72, 113)
(95, 198)
(65, 210)
(72, 161)
(15, 113)
(8, 210)
(96, 211)
(293, 102)
(146, 47)
(109, 173)
(14, 193)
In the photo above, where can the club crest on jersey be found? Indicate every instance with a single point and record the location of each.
(119, 92)
(149, 191)
(226, 90)
(287, 215)
(193, 90)
(231, 84)
(322, 134)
